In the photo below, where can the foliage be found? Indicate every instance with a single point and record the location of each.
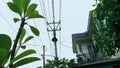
(107, 15)
(5, 54)
(4, 48)
(60, 63)
(26, 10)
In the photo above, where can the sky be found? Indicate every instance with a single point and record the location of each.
(74, 19)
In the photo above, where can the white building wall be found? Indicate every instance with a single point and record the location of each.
(84, 47)
(78, 49)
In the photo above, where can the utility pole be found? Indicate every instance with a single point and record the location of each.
(43, 56)
(55, 26)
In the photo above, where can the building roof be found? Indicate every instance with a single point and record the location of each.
(87, 35)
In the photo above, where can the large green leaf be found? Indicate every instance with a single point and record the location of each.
(14, 8)
(22, 34)
(3, 54)
(23, 54)
(19, 5)
(30, 9)
(35, 14)
(28, 38)
(25, 5)
(7, 57)
(35, 30)
(5, 42)
(25, 61)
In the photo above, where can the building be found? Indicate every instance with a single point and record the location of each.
(83, 44)
(86, 50)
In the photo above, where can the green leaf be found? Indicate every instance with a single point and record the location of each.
(23, 47)
(25, 61)
(22, 55)
(16, 20)
(7, 57)
(35, 14)
(25, 5)
(35, 30)
(19, 5)
(28, 38)
(3, 54)
(13, 7)
(5, 42)
(22, 34)
(22, 5)
(30, 9)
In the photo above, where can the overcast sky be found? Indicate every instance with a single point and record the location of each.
(74, 19)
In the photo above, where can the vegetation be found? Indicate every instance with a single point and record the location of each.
(5, 52)
(26, 10)
(107, 15)
(60, 63)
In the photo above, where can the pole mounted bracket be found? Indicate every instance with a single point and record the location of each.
(54, 39)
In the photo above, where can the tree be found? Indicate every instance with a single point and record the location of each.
(107, 14)
(26, 10)
(60, 63)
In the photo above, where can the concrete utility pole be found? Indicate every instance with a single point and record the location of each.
(43, 56)
(54, 27)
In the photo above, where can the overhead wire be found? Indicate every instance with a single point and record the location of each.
(7, 29)
(7, 6)
(5, 21)
(66, 46)
(50, 19)
(60, 10)
(46, 21)
(39, 36)
(53, 10)
(60, 43)
(34, 45)
(54, 18)
(8, 22)
(36, 48)
(60, 25)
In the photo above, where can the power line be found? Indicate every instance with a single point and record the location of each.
(45, 20)
(60, 9)
(41, 7)
(8, 23)
(32, 44)
(39, 36)
(66, 46)
(60, 41)
(7, 29)
(55, 26)
(49, 10)
(50, 42)
(53, 9)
